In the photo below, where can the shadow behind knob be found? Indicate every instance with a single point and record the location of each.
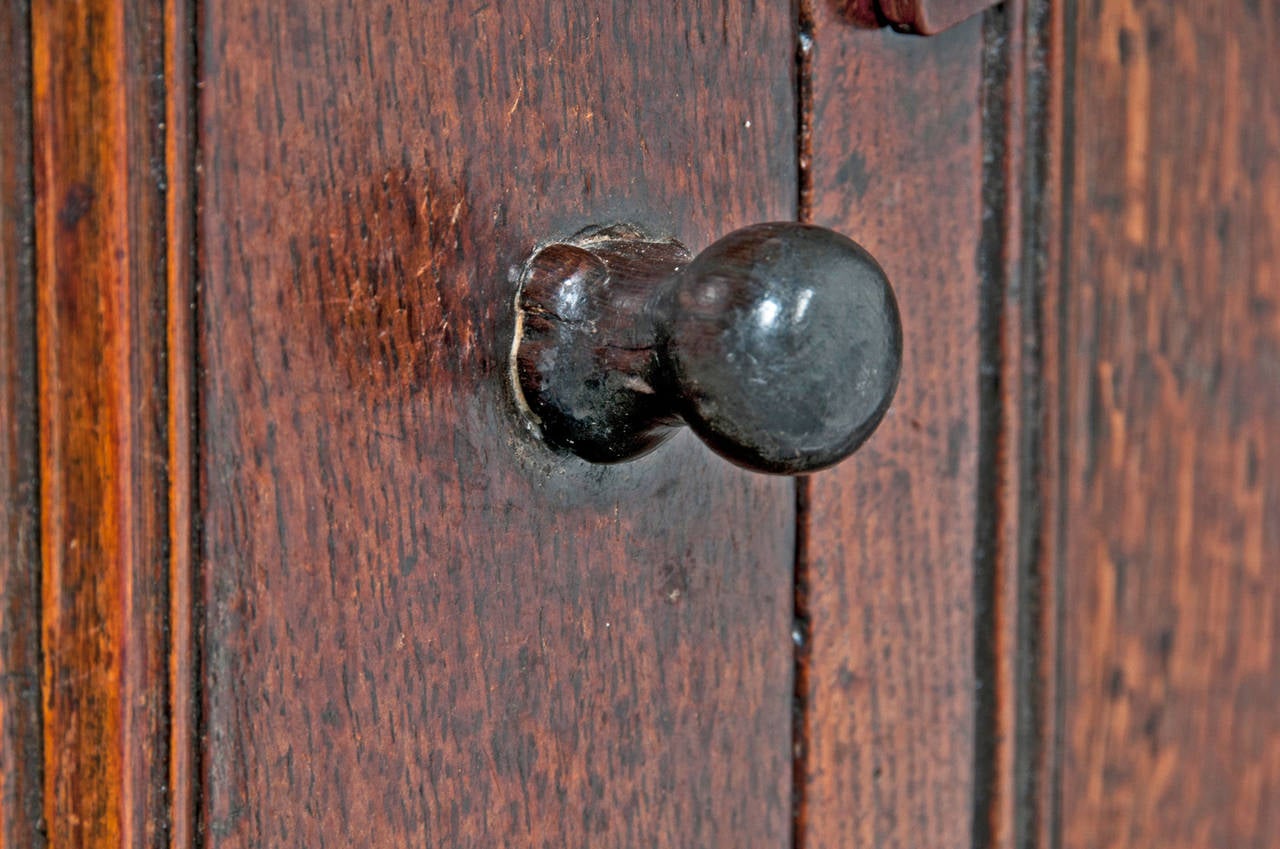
(779, 345)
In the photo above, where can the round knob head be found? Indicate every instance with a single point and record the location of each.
(783, 344)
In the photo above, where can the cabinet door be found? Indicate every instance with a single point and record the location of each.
(283, 564)
(422, 627)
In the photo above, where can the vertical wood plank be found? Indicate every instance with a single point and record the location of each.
(21, 758)
(98, 139)
(896, 162)
(1017, 634)
(1015, 766)
(1170, 411)
(180, 303)
(422, 628)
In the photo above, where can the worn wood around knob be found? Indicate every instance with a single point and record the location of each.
(780, 345)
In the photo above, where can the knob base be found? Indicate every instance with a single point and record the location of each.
(585, 361)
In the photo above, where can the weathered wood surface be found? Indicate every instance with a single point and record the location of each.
(1169, 388)
(887, 573)
(21, 781)
(421, 628)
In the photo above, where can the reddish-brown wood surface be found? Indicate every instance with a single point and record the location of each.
(20, 739)
(1170, 425)
(98, 92)
(1014, 766)
(895, 160)
(182, 684)
(421, 628)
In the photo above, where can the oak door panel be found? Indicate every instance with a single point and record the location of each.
(421, 628)
(1169, 388)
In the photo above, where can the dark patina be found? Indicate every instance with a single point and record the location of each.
(780, 344)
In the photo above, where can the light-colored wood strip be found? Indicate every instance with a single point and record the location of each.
(180, 256)
(100, 230)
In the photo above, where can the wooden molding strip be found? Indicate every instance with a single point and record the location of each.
(180, 219)
(1016, 640)
(21, 760)
(111, 87)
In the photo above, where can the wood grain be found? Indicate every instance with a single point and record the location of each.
(98, 100)
(422, 628)
(1170, 409)
(183, 682)
(888, 585)
(21, 758)
(1016, 641)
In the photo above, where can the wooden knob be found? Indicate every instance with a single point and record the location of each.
(780, 345)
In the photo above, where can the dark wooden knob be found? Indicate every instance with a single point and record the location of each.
(779, 345)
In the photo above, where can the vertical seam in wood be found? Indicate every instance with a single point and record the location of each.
(801, 639)
(804, 18)
(37, 543)
(1031, 713)
(37, 549)
(992, 436)
(194, 584)
(22, 809)
(153, 46)
(801, 623)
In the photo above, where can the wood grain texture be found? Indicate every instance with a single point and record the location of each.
(98, 93)
(21, 759)
(889, 562)
(1016, 634)
(422, 628)
(183, 683)
(1170, 411)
